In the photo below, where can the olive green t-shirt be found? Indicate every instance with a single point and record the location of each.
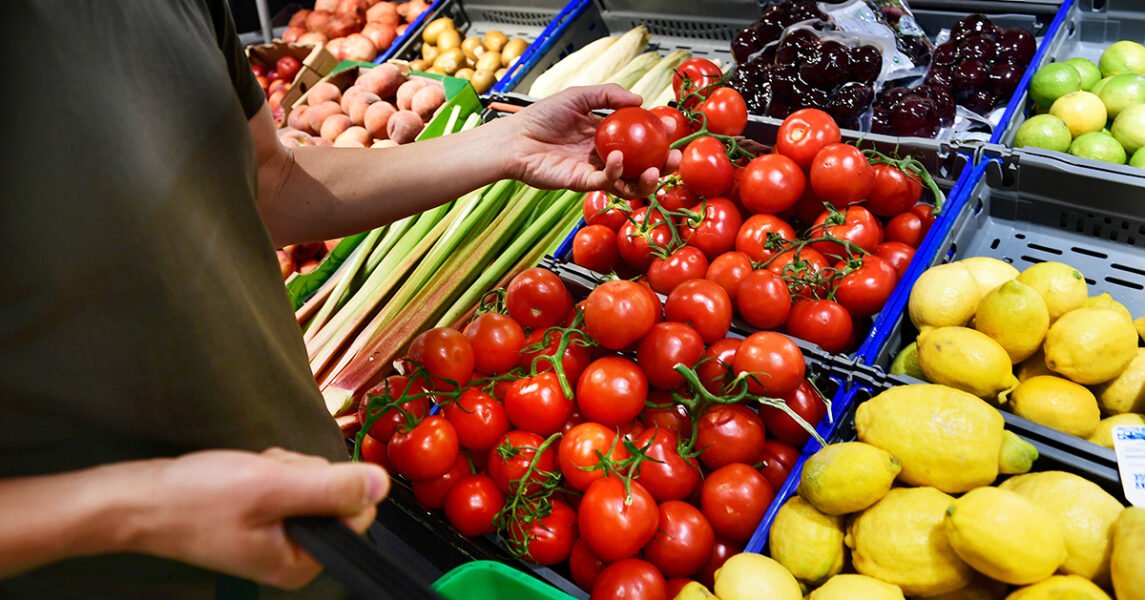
(142, 311)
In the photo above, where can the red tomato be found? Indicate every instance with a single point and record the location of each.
(822, 322)
(619, 312)
(910, 227)
(683, 542)
(841, 175)
(763, 300)
(675, 584)
(856, 225)
(722, 550)
(594, 247)
(511, 457)
(578, 457)
(629, 579)
(771, 183)
(635, 239)
(808, 207)
(727, 270)
(926, 213)
(432, 492)
(864, 291)
(775, 359)
(638, 134)
(666, 345)
(478, 419)
(575, 358)
(705, 167)
(675, 195)
(669, 476)
(612, 391)
(614, 523)
(809, 263)
(664, 274)
(536, 404)
(374, 451)
(779, 458)
(674, 417)
(734, 498)
(446, 353)
(496, 340)
(702, 304)
(472, 503)
(584, 566)
(804, 133)
(394, 386)
(755, 231)
(675, 123)
(597, 212)
(549, 539)
(698, 75)
(715, 232)
(717, 366)
(725, 110)
(427, 451)
(729, 433)
(806, 403)
(897, 254)
(537, 298)
(894, 191)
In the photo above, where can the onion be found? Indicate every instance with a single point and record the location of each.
(298, 19)
(316, 21)
(381, 35)
(342, 26)
(336, 47)
(359, 47)
(292, 34)
(383, 12)
(312, 37)
(326, 5)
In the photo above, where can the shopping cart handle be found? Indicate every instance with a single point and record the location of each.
(363, 569)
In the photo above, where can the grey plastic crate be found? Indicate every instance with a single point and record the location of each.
(524, 19)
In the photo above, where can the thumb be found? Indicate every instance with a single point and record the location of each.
(339, 489)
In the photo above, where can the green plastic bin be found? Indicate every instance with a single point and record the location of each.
(491, 580)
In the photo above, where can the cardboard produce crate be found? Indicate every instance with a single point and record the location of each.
(316, 64)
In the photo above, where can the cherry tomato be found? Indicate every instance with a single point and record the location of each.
(697, 75)
(755, 231)
(393, 386)
(574, 360)
(496, 340)
(612, 391)
(511, 457)
(734, 498)
(578, 453)
(549, 539)
(536, 404)
(666, 345)
(432, 492)
(664, 274)
(897, 254)
(635, 239)
(702, 304)
(676, 125)
(841, 175)
(763, 300)
(594, 247)
(856, 225)
(717, 366)
(683, 542)
(629, 579)
(619, 312)
(374, 451)
(478, 419)
(638, 134)
(728, 270)
(722, 550)
(894, 191)
(705, 167)
(614, 523)
(806, 403)
(675, 195)
(584, 566)
(729, 433)
(864, 291)
(472, 503)
(771, 183)
(715, 231)
(822, 322)
(537, 298)
(804, 133)
(427, 451)
(668, 476)
(446, 353)
(725, 110)
(596, 211)
(775, 360)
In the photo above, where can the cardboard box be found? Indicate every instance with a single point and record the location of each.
(316, 61)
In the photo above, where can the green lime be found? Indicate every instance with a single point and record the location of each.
(1097, 87)
(1098, 146)
(1138, 159)
(1129, 128)
(1054, 81)
(1043, 131)
(1121, 92)
(906, 363)
(1081, 111)
(1089, 72)
(1123, 57)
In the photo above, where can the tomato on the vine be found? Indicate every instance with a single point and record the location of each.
(472, 503)
(676, 125)
(510, 458)
(594, 247)
(426, 451)
(374, 451)
(856, 225)
(702, 304)
(668, 476)
(763, 299)
(536, 404)
(577, 454)
(637, 133)
(664, 274)
(806, 403)
(630, 578)
(705, 167)
(619, 312)
(754, 232)
(841, 175)
(496, 340)
(665, 414)
(683, 542)
(612, 391)
(446, 353)
(729, 433)
(734, 498)
(864, 291)
(725, 111)
(394, 386)
(714, 231)
(547, 540)
(716, 370)
(897, 254)
(775, 362)
(537, 298)
(894, 192)
(616, 522)
(822, 322)
(911, 226)
(728, 270)
(674, 195)
(432, 492)
(574, 360)
(771, 183)
(478, 419)
(777, 466)
(695, 75)
(667, 344)
(596, 211)
(635, 239)
(722, 550)
(584, 566)
(796, 264)
(804, 133)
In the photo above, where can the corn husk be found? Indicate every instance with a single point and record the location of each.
(659, 77)
(612, 60)
(553, 80)
(629, 75)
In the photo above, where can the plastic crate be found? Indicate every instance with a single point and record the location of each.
(490, 580)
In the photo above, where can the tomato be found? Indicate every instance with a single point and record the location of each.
(676, 125)
(771, 183)
(705, 167)
(856, 225)
(634, 240)
(727, 270)
(755, 232)
(775, 472)
(804, 133)
(697, 75)
(577, 455)
(668, 476)
(674, 417)
(702, 304)
(597, 212)
(664, 274)
(611, 391)
(537, 298)
(584, 566)
(725, 111)
(536, 404)
(394, 385)
(734, 498)
(666, 345)
(629, 579)
(717, 366)
(808, 207)
(683, 542)
(675, 584)
(926, 213)
(478, 419)
(619, 312)
(806, 403)
(675, 195)
(594, 247)
(822, 322)
(715, 231)
(864, 291)
(775, 360)
(496, 340)
(472, 503)
(894, 191)
(763, 300)
(432, 492)
(425, 452)
(841, 175)
(910, 227)
(897, 254)
(510, 458)
(446, 353)
(574, 360)
(722, 550)
(799, 263)
(549, 539)
(374, 451)
(616, 524)
(729, 433)
(638, 134)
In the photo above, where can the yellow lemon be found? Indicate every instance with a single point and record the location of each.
(1082, 112)
(1129, 554)
(1017, 455)
(1005, 536)
(1103, 435)
(1061, 587)
(856, 587)
(847, 477)
(943, 295)
(1061, 286)
(694, 590)
(1139, 325)
(966, 359)
(1126, 392)
(807, 542)
(1107, 301)
(1090, 345)
(1014, 315)
(981, 588)
(989, 272)
(1034, 366)
(1057, 403)
(748, 576)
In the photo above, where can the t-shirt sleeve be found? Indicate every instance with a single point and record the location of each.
(242, 78)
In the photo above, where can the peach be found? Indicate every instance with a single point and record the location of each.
(359, 47)
(347, 95)
(285, 263)
(333, 126)
(342, 25)
(321, 141)
(382, 35)
(406, 91)
(277, 84)
(377, 117)
(358, 106)
(323, 91)
(275, 99)
(404, 126)
(299, 118)
(382, 80)
(336, 48)
(293, 34)
(293, 138)
(319, 114)
(427, 100)
(317, 20)
(354, 137)
(312, 37)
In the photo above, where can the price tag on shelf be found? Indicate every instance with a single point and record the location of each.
(1129, 444)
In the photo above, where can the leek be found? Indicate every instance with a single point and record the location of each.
(611, 60)
(553, 80)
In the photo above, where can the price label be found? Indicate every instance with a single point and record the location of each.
(1129, 444)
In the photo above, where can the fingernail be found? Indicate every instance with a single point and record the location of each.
(377, 485)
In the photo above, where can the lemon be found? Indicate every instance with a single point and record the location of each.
(1107, 301)
(1103, 435)
(1005, 536)
(1126, 392)
(943, 437)
(989, 272)
(901, 540)
(807, 542)
(847, 477)
(747, 576)
(856, 587)
(1061, 286)
(1034, 366)
(694, 590)
(1057, 403)
(1015, 316)
(966, 359)
(1082, 112)
(1139, 325)
(981, 588)
(1090, 345)
(1061, 587)
(1129, 554)
(943, 295)
(906, 362)
(1017, 455)
(1083, 510)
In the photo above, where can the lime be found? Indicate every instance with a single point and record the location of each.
(1097, 87)
(1122, 92)
(1089, 72)
(1054, 81)
(1082, 112)
(1098, 146)
(1123, 57)
(1138, 159)
(1129, 128)
(1043, 131)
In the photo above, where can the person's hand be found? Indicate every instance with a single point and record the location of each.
(223, 510)
(552, 144)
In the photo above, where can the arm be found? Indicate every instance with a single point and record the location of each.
(314, 193)
(157, 507)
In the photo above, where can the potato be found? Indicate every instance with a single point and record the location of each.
(472, 48)
(499, 73)
(464, 73)
(490, 61)
(407, 90)
(319, 114)
(448, 40)
(450, 60)
(431, 32)
(404, 126)
(299, 118)
(482, 81)
(353, 137)
(436, 71)
(323, 91)
(382, 80)
(419, 65)
(358, 106)
(376, 117)
(495, 40)
(429, 52)
(427, 100)
(512, 51)
(333, 126)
